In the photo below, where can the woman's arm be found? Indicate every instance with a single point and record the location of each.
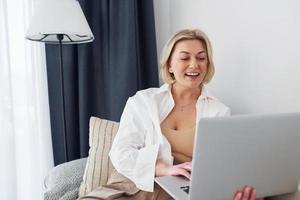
(131, 153)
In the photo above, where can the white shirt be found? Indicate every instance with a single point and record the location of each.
(139, 141)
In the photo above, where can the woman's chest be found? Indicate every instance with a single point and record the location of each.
(180, 120)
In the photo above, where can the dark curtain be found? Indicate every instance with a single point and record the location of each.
(100, 76)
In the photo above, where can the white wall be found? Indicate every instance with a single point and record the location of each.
(256, 48)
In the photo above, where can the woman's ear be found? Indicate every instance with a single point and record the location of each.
(170, 70)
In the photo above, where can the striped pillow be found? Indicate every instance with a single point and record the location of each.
(98, 167)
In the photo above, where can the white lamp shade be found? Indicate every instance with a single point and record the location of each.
(53, 17)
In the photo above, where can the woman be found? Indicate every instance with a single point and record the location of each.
(157, 127)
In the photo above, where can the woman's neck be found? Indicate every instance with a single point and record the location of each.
(181, 93)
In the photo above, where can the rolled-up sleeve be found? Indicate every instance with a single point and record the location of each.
(130, 154)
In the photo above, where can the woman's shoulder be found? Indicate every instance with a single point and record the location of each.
(214, 107)
(219, 104)
(214, 101)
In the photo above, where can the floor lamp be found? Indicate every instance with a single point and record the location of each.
(59, 22)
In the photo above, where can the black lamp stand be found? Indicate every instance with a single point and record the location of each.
(60, 37)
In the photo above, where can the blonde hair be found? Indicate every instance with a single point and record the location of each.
(185, 34)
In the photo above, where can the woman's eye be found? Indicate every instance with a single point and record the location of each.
(184, 58)
(201, 58)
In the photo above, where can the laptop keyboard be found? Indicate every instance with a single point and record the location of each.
(186, 188)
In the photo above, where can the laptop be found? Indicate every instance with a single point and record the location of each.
(262, 151)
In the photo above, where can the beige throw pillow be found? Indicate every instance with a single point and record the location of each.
(99, 166)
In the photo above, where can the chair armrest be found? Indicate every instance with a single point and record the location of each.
(63, 181)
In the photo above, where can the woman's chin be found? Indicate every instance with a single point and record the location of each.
(194, 83)
(189, 84)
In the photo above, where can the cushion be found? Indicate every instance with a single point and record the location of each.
(98, 166)
(63, 181)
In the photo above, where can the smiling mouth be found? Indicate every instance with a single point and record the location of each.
(192, 74)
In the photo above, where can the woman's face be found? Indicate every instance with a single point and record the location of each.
(188, 63)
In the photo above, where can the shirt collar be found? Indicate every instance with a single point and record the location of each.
(205, 94)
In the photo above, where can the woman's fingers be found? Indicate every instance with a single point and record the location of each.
(237, 196)
(186, 165)
(185, 173)
(181, 171)
(246, 193)
(253, 194)
(162, 169)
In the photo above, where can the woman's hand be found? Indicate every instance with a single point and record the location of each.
(248, 193)
(183, 169)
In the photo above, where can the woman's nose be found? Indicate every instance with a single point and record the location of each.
(193, 63)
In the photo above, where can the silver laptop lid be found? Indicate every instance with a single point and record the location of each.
(262, 151)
